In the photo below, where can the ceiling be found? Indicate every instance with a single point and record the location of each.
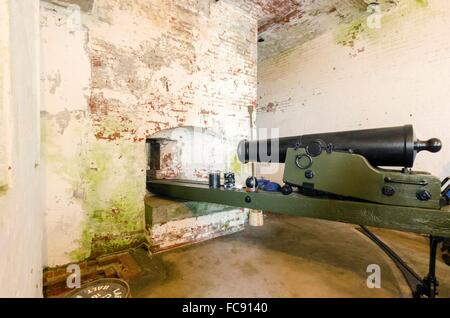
(284, 24)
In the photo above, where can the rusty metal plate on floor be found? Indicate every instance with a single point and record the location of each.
(102, 288)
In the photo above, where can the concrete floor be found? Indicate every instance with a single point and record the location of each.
(287, 257)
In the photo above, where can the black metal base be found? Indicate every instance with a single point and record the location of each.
(426, 287)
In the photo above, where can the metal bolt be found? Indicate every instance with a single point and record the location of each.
(309, 174)
(388, 191)
(423, 195)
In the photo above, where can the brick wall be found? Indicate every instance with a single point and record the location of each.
(116, 74)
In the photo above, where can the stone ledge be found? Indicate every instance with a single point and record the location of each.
(159, 210)
(174, 223)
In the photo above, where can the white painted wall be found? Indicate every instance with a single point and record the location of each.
(4, 95)
(21, 213)
(398, 74)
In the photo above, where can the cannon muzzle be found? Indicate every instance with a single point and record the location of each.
(389, 147)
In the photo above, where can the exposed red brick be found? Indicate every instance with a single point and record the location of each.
(110, 137)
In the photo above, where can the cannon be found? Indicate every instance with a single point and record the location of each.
(393, 146)
(361, 177)
(347, 165)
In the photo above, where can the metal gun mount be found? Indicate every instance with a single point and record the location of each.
(345, 164)
(339, 179)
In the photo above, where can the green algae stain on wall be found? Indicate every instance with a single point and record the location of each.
(388, 13)
(422, 3)
(106, 178)
(350, 33)
(236, 165)
(114, 201)
(3, 190)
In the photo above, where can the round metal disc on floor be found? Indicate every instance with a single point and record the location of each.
(102, 288)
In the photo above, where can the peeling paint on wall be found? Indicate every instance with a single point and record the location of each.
(284, 25)
(141, 67)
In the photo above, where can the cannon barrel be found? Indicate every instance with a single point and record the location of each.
(390, 147)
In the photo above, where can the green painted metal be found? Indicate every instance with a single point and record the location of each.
(409, 219)
(351, 175)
